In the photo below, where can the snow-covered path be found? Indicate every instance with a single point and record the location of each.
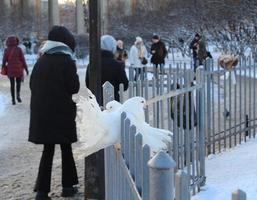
(234, 169)
(3, 101)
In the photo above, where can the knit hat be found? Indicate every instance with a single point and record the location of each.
(108, 43)
(138, 39)
(197, 35)
(155, 37)
(62, 34)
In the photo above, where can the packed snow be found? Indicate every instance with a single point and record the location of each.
(100, 129)
(3, 101)
(231, 170)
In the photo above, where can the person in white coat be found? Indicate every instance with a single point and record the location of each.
(137, 58)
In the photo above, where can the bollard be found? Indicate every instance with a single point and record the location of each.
(182, 191)
(239, 195)
(161, 177)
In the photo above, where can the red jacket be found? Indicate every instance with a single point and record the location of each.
(13, 58)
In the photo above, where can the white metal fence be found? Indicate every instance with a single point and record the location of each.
(187, 149)
(214, 112)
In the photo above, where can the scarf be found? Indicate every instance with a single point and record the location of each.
(53, 47)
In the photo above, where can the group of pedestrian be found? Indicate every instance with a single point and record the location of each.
(54, 80)
(138, 55)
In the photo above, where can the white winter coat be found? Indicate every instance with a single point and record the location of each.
(134, 55)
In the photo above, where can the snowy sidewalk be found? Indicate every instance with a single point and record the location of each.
(3, 102)
(234, 169)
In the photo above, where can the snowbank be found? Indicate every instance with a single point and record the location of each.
(234, 169)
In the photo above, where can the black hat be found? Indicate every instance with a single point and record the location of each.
(197, 35)
(155, 37)
(62, 34)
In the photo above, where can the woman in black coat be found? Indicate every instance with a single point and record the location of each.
(112, 70)
(53, 81)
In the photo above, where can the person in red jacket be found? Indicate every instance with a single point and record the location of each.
(15, 62)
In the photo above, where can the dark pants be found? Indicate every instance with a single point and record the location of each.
(195, 63)
(18, 86)
(69, 172)
(156, 70)
(139, 73)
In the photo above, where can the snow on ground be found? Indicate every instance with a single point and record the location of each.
(3, 101)
(231, 170)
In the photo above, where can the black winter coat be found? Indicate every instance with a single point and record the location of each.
(160, 53)
(181, 109)
(112, 71)
(193, 46)
(53, 82)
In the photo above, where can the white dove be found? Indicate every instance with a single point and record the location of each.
(100, 129)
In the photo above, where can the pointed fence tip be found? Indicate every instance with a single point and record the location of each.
(162, 161)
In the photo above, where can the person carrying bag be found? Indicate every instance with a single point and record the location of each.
(13, 65)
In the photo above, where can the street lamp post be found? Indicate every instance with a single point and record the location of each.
(94, 164)
(95, 48)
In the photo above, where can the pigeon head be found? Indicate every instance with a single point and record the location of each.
(113, 106)
(135, 106)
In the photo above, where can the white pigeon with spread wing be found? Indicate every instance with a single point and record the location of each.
(100, 129)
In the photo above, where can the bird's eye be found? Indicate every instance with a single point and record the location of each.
(110, 106)
(90, 97)
(142, 102)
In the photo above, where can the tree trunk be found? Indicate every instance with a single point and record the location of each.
(128, 7)
(80, 24)
(53, 13)
(104, 16)
(38, 17)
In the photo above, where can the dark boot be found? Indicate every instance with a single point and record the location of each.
(13, 98)
(69, 192)
(18, 89)
(42, 196)
(19, 98)
(12, 90)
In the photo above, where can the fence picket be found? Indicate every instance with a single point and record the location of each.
(132, 149)
(138, 161)
(145, 172)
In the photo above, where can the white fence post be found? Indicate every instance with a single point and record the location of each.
(182, 186)
(162, 177)
(239, 195)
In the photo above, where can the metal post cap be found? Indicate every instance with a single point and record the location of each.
(162, 161)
